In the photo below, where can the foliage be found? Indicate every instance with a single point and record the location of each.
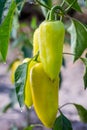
(75, 5)
(20, 80)
(82, 112)
(78, 38)
(62, 123)
(5, 29)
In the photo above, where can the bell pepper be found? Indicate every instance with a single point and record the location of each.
(51, 39)
(44, 95)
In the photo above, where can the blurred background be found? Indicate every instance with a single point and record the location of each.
(20, 47)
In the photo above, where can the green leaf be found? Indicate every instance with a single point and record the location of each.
(29, 128)
(82, 112)
(75, 5)
(62, 123)
(9, 105)
(85, 78)
(84, 60)
(5, 29)
(2, 4)
(85, 72)
(20, 81)
(78, 38)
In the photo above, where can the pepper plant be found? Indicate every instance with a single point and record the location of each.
(37, 79)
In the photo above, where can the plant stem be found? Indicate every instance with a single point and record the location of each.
(34, 58)
(66, 53)
(53, 10)
(62, 3)
(67, 9)
(66, 105)
(60, 111)
(47, 16)
(43, 5)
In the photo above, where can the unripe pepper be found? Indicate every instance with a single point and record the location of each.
(44, 94)
(51, 38)
(36, 43)
(28, 96)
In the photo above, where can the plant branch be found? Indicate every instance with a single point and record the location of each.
(65, 105)
(67, 9)
(62, 3)
(53, 10)
(47, 16)
(43, 5)
(59, 111)
(60, 7)
(64, 12)
(34, 58)
(66, 53)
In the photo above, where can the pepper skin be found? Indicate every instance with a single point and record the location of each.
(44, 95)
(36, 43)
(51, 38)
(28, 96)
